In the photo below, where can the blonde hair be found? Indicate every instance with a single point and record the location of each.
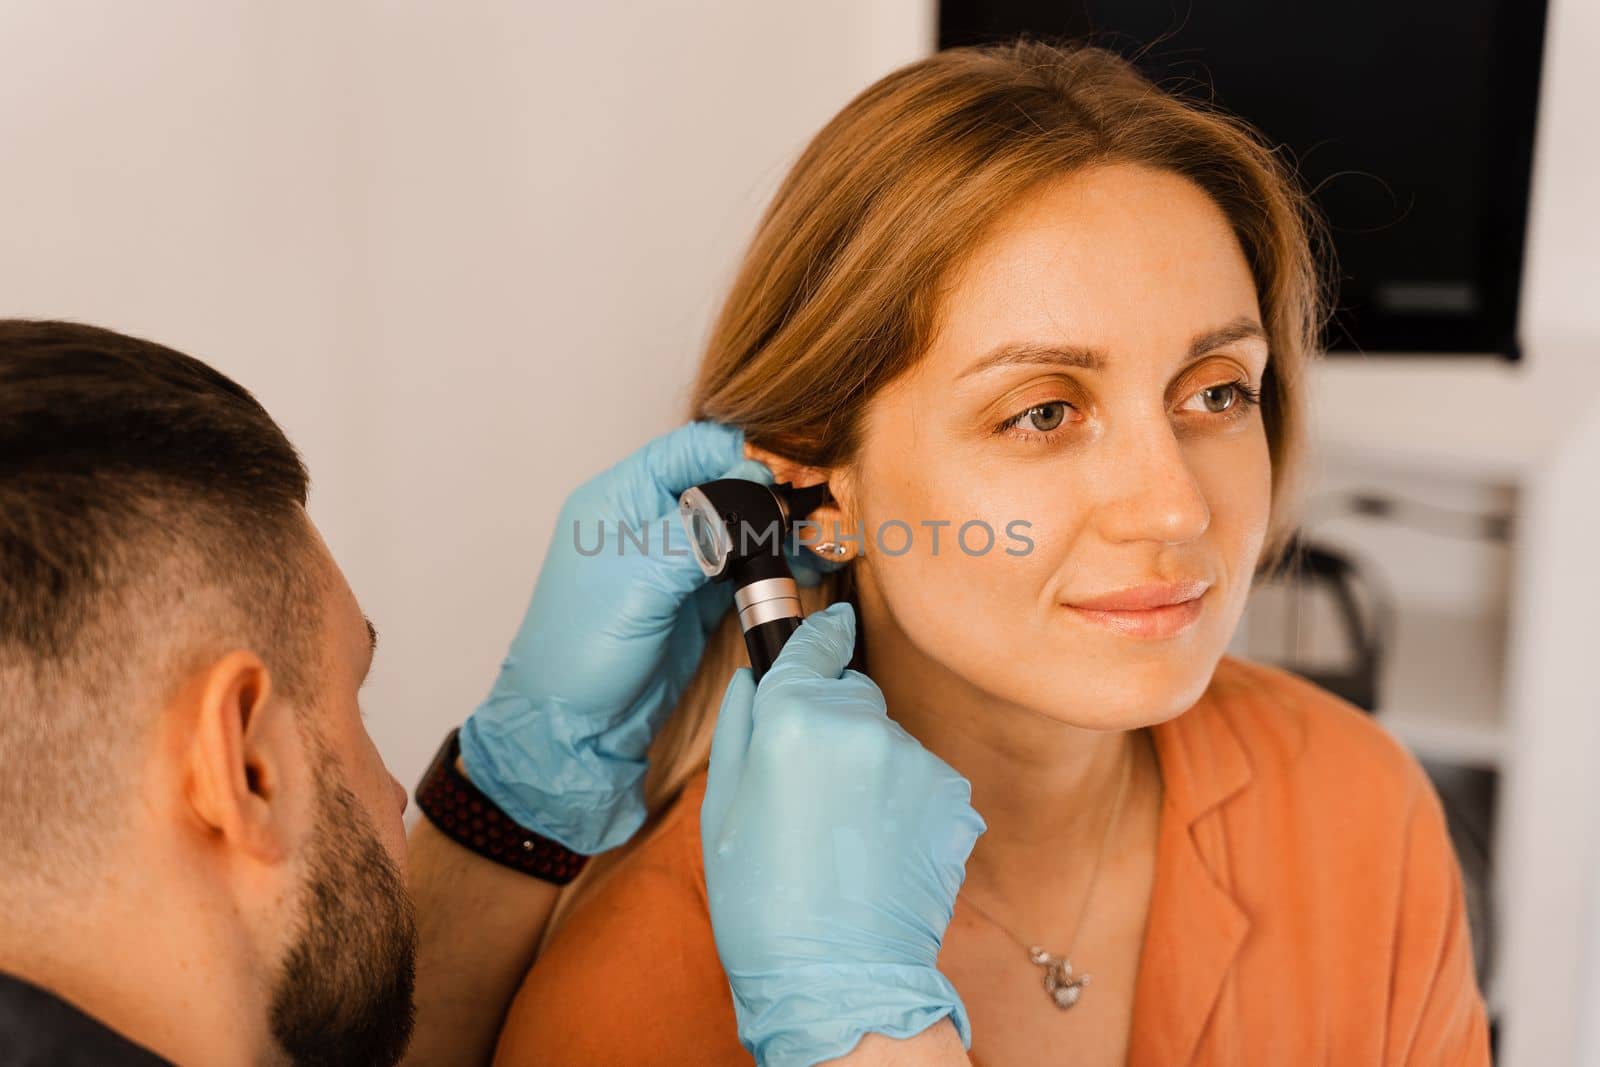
(836, 295)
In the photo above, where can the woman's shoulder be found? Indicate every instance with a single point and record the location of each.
(1331, 791)
(1292, 731)
(667, 853)
(633, 971)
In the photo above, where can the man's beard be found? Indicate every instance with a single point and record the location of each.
(345, 993)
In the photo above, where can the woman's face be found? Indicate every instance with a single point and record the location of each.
(1149, 467)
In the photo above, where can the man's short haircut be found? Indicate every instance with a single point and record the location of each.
(151, 518)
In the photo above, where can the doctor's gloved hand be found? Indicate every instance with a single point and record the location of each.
(615, 629)
(834, 846)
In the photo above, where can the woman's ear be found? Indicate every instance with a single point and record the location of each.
(832, 522)
(784, 469)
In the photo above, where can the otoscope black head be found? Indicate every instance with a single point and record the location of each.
(801, 502)
(735, 524)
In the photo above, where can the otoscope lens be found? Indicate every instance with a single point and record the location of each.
(707, 539)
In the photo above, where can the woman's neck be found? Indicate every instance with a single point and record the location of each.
(1045, 788)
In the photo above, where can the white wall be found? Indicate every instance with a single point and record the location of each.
(465, 252)
(182, 174)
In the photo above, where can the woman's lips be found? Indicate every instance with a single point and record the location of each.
(1167, 621)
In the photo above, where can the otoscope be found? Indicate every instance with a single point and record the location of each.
(737, 530)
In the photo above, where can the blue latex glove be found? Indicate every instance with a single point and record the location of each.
(834, 847)
(608, 643)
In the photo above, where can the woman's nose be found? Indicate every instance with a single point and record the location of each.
(1149, 492)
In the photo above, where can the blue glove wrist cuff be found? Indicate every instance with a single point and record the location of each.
(821, 1012)
(570, 793)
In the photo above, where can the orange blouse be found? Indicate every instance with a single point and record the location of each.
(1307, 908)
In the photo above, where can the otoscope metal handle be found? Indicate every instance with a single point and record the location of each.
(769, 611)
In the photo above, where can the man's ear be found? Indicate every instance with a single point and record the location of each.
(833, 518)
(236, 756)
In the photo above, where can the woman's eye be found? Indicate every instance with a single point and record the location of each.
(1228, 398)
(1218, 398)
(1038, 422)
(1045, 417)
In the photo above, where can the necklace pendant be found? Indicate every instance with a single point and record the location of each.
(1059, 982)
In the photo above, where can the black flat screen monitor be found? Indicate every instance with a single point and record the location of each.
(1412, 122)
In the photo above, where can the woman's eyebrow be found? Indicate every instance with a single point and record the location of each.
(1035, 352)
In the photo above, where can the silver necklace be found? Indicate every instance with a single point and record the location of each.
(1063, 987)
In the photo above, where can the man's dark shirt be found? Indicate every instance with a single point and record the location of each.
(39, 1029)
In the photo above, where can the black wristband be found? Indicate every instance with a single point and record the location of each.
(463, 813)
